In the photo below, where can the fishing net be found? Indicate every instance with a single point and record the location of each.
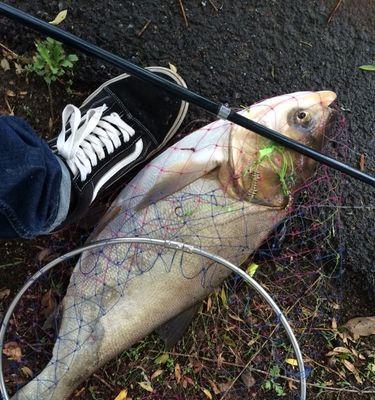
(235, 347)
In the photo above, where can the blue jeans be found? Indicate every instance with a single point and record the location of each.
(34, 183)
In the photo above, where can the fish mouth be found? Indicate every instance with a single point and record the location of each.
(327, 97)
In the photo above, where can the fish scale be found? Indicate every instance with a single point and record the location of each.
(120, 294)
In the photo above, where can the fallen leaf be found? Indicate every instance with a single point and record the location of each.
(362, 162)
(13, 351)
(367, 67)
(172, 68)
(209, 304)
(10, 93)
(338, 350)
(292, 361)
(251, 269)
(214, 387)
(59, 17)
(4, 293)
(207, 393)
(146, 386)
(223, 297)
(157, 373)
(48, 304)
(177, 373)
(248, 379)
(225, 387)
(122, 395)
(334, 324)
(236, 318)
(353, 370)
(4, 63)
(19, 68)
(361, 326)
(162, 359)
(26, 371)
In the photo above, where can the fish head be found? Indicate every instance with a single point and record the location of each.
(264, 172)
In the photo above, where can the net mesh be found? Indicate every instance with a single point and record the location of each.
(235, 347)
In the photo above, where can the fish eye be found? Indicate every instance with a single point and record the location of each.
(302, 118)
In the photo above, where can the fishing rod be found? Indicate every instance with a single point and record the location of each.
(218, 109)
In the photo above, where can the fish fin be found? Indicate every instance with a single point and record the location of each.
(173, 330)
(182, 174)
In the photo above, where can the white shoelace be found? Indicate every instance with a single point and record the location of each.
(88, 137)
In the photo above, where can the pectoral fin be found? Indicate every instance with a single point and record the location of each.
(173, 330)
(193, 166)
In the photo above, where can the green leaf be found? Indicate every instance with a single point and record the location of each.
(251, 269)
(162, 359)
(367, 67)
(73, 57)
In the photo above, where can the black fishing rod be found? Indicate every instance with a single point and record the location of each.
(218, 109)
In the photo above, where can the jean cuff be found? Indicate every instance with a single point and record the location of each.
(64, 198)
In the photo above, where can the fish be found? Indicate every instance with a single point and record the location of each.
(222, 189)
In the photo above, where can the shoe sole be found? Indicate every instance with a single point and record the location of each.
(180, 116)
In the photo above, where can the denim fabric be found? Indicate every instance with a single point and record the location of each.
(30, 181)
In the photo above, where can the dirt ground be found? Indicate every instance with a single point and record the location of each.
(235, 52)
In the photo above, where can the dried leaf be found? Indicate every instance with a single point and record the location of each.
(19, 68)
(173, 68)
(214, 387)
(177, 373)
(157, 373)
(353, 370)
(207, 393)
(361, 326)
(48, 304)
(225, 387)
(26, 371)
(248, 379)
(162, 359)
(334, 324)
(13, 351)
(292, 361)
(4, 293)
(59, 17)
(236, 318)
(10, 93)
(338, 350)
(4, 63)
(209, 304)
(362, 162)
(122, 395)
(146, 386)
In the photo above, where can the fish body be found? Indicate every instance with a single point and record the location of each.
(212, 190)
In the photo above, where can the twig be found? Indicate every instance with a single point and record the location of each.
(333, 389)
(140, 33)
(109, 386)
(333, 12)
(183, 12)
(9, 50)
(51, 107)
(213, 5)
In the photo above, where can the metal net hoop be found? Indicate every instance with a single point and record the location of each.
(171, 245)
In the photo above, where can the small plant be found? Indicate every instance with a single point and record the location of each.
(51, 61)
(271, 384)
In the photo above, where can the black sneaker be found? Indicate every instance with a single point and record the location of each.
(119, 127)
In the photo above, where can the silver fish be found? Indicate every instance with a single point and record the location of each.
(221, 188)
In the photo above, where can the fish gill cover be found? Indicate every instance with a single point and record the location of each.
(235, 347)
